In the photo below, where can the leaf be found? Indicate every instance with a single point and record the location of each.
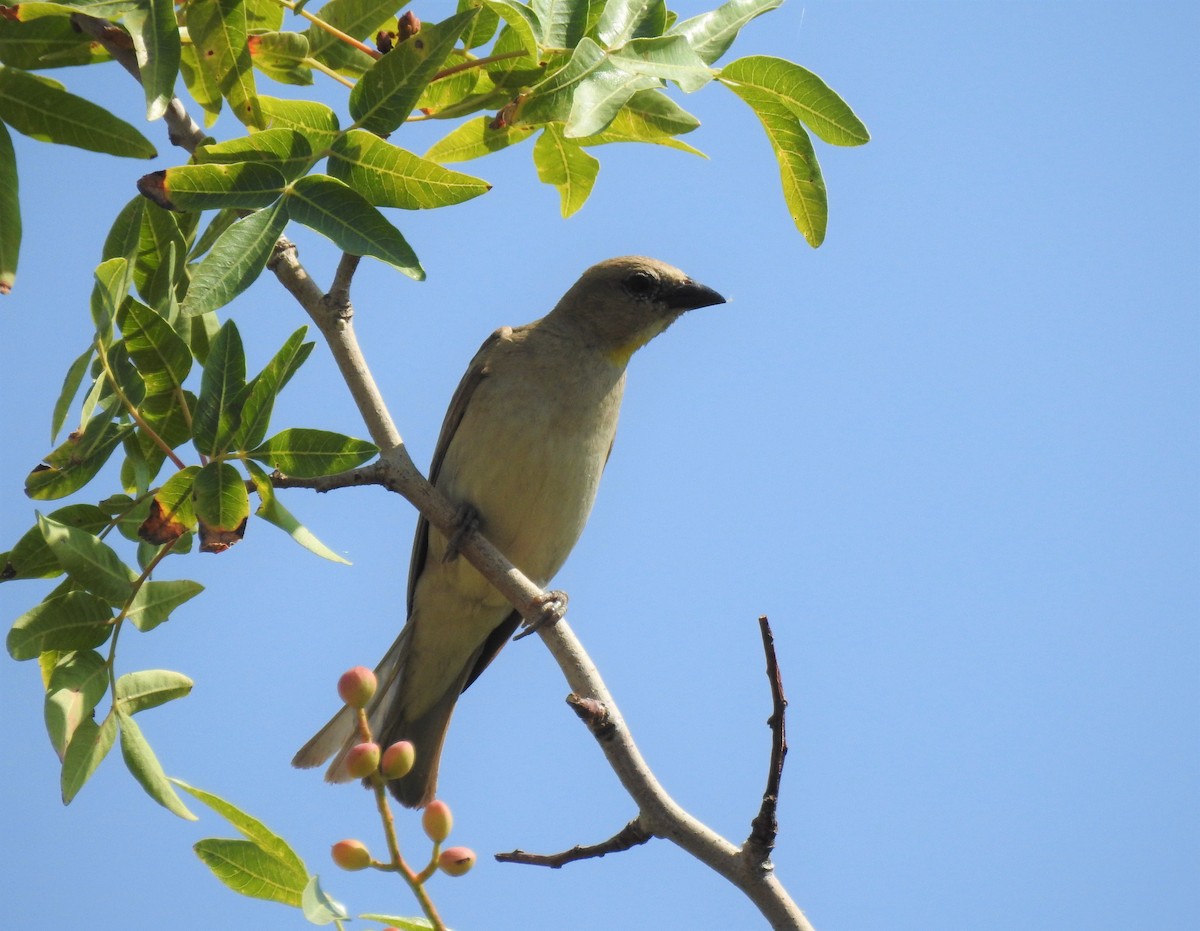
(108, 291)
(172, 513)
(169, 415)
(88, 747)
(146, 769)
(149, 688)
(161, 356)
(222, 506)
(710, 34)
(217, 414)
(235, 260)
(482, 28)
(356, 18)
(564, 164)
(39, 108)
(317, 905)
(476, 138)
(803, 186)
(251, 871)
(385, 96)
(667, 57)
(553, 98)
(260, 399)
(343, 215)
(523, 25)
(388, 176)
(249, 827)
(563, 22)
(304, 453)
(155, 35)
(275, 513)
(802, 92)
(76, 685)
(76, 461)
(70, 387)
(159, 233)
(40, 35)
(200, 83)
(155, 601)
(282, 56)
(623, 20)
(72, 620)
(89, 561)
(243, 185)
(10, 212)
(31, 558)
(286, 150)
(315, 121)
(124, 236)
(403, 924)
(218, 30)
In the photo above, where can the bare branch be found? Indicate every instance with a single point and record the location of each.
(764, 827)
(339, 291)
(630, 836)
(372, 474)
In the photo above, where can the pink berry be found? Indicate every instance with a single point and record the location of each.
(398, 759)
(437, 821)
(351, 854)
(362, 760)
(456, 861)
(356, 686)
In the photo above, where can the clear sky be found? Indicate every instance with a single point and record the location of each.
(953, 454)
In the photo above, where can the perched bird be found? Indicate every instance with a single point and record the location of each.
(526, 437)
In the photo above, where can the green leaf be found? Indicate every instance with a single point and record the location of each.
(221, 500)
(221, 221)
(251, 871)
(482, 28)
(89, 561)
(263, 16)
(303, 453)
(273, 512)
(623, 20)
(286, 150)
(803, 186)
(146, 769)
(563, 22)
(260, 399)
(155, 601)
(476, 138)
(31, 558)
(40, 35)
(403, 924)
(218, 30)
(243, 185)
(72, 620)
(523, 25)
(711, 33)
(385, 96)
(70, 387)
(161, 356)
(317, 905)
(160, 233)
(88, 747)
(251, 828)
(200, 83)
(315, 121)
(124, 236)
(149, 688)
(76, 685)
(553, 98)
(155, 35)
(802, 92)
(169, 416)
(77, 460)
(388, 176)
(667, 57)
(10, 212)
(356, 18)
(108, 291)
(39, 108)
(236, 259)
(282, 56)
(564, 164)
(217, 413)
(339, 212)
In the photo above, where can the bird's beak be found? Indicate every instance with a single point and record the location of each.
(692, 294)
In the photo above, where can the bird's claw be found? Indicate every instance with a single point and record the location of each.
(465, 520)
(552, 608)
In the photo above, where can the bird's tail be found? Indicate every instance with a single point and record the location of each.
(389, 723)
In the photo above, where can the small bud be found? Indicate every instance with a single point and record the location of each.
(408, 25)
(398, 759)
(362, 760)
(437, 821)
(456, 861)
(351, 854)
(356, 686)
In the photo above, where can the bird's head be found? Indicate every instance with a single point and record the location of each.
(621, 304)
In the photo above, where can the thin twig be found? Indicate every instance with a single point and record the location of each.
(765, 826)
(630, 836)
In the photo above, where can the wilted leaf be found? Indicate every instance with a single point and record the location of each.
(222, 506)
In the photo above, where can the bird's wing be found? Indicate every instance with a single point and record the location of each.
(476, 372)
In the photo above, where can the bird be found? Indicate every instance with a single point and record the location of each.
(524, 442)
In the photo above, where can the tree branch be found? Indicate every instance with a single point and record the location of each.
(764, 827)
(630, 836)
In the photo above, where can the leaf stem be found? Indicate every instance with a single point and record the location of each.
(331, 29)
(328, 72)
(131, 409)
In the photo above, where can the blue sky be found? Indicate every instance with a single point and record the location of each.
(952, 454)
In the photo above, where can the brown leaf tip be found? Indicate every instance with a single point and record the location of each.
(154, 187)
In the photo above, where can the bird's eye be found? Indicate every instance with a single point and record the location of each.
(641, 284)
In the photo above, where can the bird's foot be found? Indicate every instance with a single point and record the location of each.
(552, 608)
(466, 520)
